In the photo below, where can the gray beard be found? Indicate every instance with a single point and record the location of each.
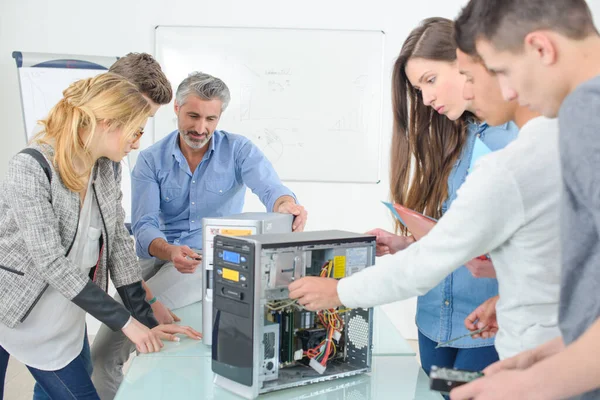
(194, 144)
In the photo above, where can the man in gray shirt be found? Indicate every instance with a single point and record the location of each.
(546, 54)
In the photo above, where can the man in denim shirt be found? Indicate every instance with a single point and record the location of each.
(199, 172)
(193, 173)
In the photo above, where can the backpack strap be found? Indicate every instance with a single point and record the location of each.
(39, 157)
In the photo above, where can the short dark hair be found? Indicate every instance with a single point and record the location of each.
(466, 31)
(145, 72)
(505, 23)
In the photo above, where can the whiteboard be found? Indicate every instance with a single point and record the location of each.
(41, 89)
(44, 76)
(311, 100)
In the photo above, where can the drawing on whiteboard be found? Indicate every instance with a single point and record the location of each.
(267, 102)
(271, 144)
(245, 102)
(275, 86)
(354, 120)
(274, 142)
(280, 71)
(39, 105)
(266, 93)
(253, 72)
(35, 98)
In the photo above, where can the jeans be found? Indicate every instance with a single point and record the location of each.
(70, 382)
(471, 359)
(3, 366)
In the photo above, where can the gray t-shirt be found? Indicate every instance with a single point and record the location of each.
(579, 121)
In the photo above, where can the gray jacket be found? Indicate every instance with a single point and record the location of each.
(38, 224)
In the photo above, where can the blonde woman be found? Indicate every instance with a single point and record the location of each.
(62, 236)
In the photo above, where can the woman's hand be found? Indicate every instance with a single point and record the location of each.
(168, 331)
(484, 316)
(145, 340)
(481, 268)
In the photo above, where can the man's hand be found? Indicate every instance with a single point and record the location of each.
(299, 213)
(481, 268)
(185, 259)
(513, 385)
(522, 360)
(163, 314)
(484, 316)
(167, 332)
(389, 243)
(315, 293)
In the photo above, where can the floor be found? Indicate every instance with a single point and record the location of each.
(19, 383)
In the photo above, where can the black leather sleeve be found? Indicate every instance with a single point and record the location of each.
(101, 306)
(134, 299)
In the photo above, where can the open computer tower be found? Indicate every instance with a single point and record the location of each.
(261, 340)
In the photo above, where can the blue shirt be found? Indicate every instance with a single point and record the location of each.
(169, 200)
(442, 311)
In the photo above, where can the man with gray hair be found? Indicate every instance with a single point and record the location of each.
(196, 171)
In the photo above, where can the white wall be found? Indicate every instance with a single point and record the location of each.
(115, 27)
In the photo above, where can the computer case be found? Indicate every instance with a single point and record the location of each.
(261, 340)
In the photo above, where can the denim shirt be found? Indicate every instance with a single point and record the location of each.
(170, 201)
(442, 311)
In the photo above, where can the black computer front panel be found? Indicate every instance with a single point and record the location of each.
(233, 309)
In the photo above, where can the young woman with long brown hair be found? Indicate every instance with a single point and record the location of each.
(432, 149)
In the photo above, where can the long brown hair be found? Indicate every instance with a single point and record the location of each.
(106, 97)
(422, 136)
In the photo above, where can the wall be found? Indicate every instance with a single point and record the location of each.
(115, 27)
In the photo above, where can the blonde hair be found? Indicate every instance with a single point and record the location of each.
(107, 98)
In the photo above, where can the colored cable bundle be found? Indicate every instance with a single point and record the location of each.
(331, 317)
(324, 350)
(332, 321)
